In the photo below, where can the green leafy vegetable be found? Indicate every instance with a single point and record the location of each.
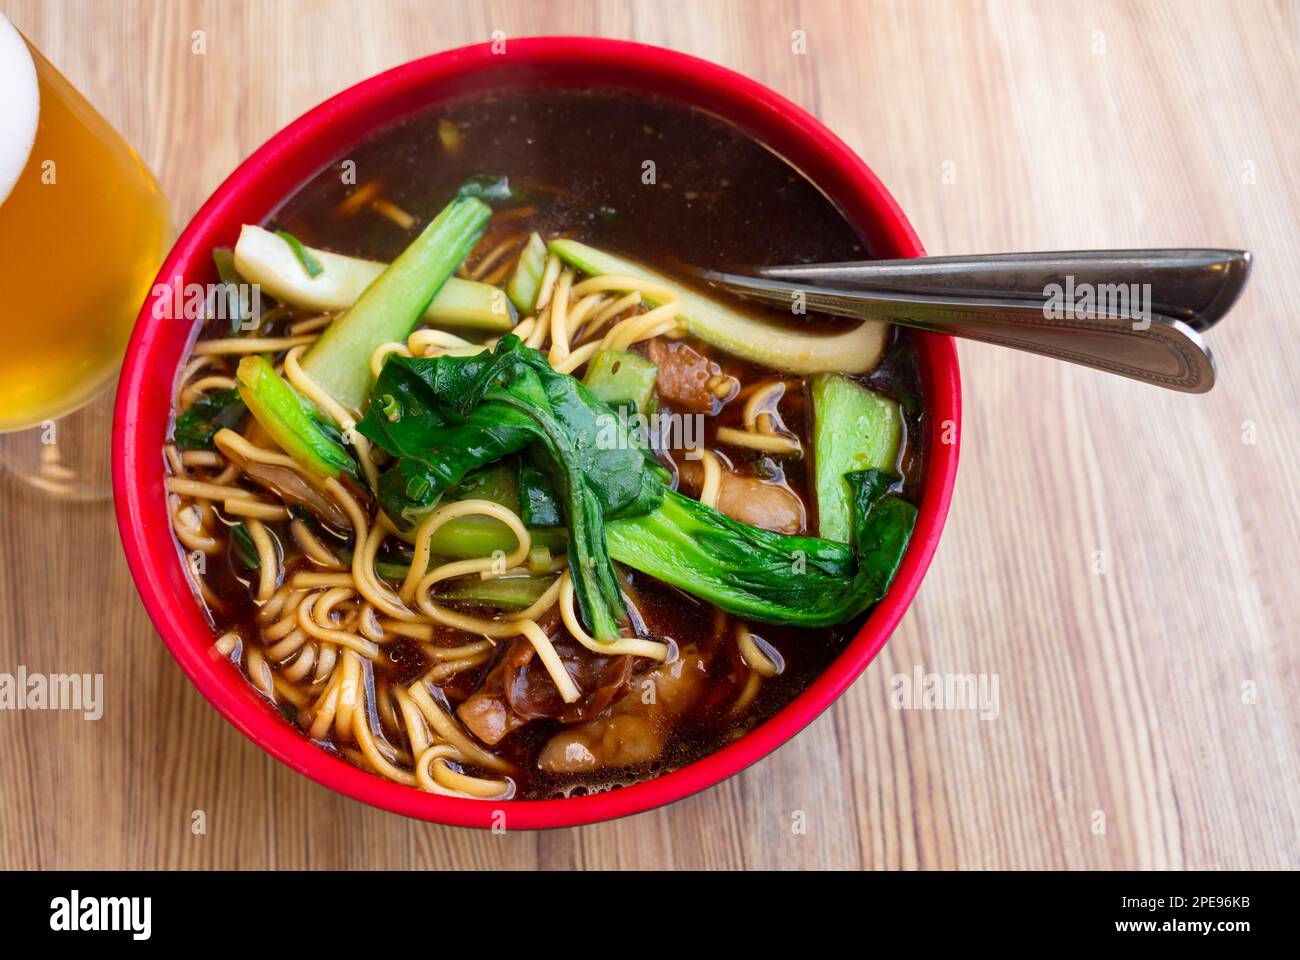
(245, 549)
(768, 577)
(265, 259)
(491, 189)
(539, 560)
(538, 506)
(476, 535)
(389, 309)
(442, 417)
(621, 377)
(504, 593)
(199, 423)
(479, 536)
(524, 283)
(498, 483)
(237, 311)
(853, 429)
(292, 422)
(743, 333)
(472, 305)
(305, 256)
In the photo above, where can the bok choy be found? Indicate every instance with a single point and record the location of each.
(270, 261)
(769, 577)
(392, 305)
(293, 423)
(740, 333)
(443, 417)
(205, 417)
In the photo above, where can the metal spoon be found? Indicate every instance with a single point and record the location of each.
(1136, 313)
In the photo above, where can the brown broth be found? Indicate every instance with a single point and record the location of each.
(720, 200)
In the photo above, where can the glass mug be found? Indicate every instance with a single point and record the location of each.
(83, 229)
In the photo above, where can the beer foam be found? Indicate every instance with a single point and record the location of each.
(22, 109)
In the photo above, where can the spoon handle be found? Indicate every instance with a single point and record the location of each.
(1136, 313)
(1196, 286)
(1154, 348)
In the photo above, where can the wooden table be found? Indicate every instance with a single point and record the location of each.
(1147, 713)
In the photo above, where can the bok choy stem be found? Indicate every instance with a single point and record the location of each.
(769, 577)
(293, 423)
(390, 308)
(269, 261)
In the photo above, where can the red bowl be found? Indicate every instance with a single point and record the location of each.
(292, 156)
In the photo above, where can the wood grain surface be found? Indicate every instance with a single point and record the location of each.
(1124, 560)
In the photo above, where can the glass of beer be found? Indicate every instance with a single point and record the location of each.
(83, 229)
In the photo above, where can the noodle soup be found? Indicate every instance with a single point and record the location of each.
(490, 497)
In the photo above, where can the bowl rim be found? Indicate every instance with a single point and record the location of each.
(143, 407)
